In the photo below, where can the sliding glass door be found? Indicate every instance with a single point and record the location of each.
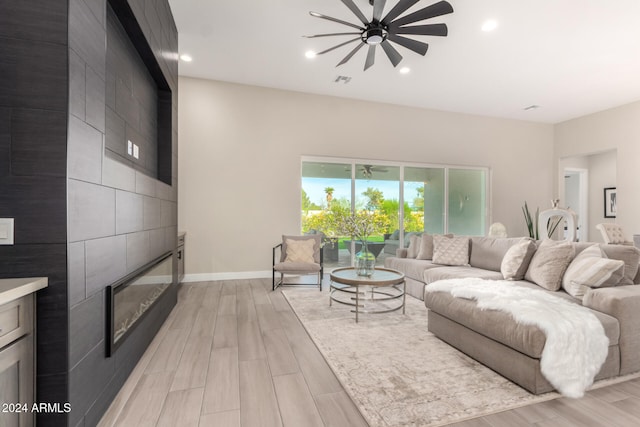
(408, 199)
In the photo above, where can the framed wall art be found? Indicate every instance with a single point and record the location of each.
(610, 202)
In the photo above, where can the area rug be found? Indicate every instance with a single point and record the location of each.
(397, 372)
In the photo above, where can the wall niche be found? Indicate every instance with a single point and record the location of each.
(138, 98)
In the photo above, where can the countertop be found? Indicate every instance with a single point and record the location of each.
(12, 289)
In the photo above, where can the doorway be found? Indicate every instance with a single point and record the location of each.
(576, 194)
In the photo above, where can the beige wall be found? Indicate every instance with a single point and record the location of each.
(615, 129)
(241, 148)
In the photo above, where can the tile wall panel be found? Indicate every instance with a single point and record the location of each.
(85, 151)
(86, 329)
(92, 211)
(106, 262)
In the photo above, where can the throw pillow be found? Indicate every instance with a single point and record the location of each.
(425, 248)
(414, 246)
(549, 264)
(299, 250)
(629, 255)
(516, 261)
(591, 269)
(450, 250)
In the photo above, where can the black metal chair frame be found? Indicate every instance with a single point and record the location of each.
(281, 282)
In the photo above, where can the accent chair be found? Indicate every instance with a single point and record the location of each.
(299, 255)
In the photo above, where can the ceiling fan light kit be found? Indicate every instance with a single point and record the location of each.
(382, 31)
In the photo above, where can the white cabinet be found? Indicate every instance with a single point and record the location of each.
(17, 357)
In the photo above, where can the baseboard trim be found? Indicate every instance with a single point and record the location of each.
(207, 277)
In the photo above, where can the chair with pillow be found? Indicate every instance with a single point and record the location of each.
(299, 255)
(612, 234)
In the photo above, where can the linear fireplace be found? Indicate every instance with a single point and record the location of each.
(131, 298)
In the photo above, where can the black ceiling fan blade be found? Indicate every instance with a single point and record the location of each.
(371, 57)
(422, 30)
(339, 21)
(337, 46)
(393, 55)
(398, 9)
(378, 7)
(353, 8)
(329, 35)
(414, 45)
(350, 55)
(436, 9)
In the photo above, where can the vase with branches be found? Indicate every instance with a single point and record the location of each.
(360, 226)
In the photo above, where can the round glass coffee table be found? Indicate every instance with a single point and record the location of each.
(387, 292)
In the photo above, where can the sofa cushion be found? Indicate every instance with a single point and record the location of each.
(488, 252)
(500, 326)
(450, 250)
(549, 264)
(517, 258)
(414, 245)
(412, 268)
(458, 272)
(590, 269)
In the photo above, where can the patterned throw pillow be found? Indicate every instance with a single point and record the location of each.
(549, 264)
(591, 269)
(425, 249)
(299, 250)
(516, 260)
(450, 250)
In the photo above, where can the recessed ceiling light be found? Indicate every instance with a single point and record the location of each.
(186, 57)
(310, 54)
(405, 70)
(489, 25)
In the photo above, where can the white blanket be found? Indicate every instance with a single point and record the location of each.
(576, 345)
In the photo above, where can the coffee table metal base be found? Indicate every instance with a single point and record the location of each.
(380, 298)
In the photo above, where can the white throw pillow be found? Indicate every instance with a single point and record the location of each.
(591, 269)
(299, 250)
(549, 264)
(516, 261)
(450, 250)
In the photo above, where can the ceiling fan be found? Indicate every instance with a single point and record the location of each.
(384, 30)
(368, 170)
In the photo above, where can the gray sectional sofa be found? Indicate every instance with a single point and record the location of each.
(495, 339)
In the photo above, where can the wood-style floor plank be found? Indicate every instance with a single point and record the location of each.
(258, 403)
(222, 390)
(233, 353)
(193, 366)
(297, 407)
(181, 408)
(221, 419)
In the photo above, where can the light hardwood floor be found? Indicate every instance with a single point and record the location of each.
(233, 353)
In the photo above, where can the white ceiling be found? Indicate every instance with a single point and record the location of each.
(570, 57)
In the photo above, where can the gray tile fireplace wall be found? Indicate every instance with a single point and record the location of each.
(120, 216)
(82, 218)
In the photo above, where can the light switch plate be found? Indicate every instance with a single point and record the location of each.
(6, 231)
(130, 148)
(136, 151)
